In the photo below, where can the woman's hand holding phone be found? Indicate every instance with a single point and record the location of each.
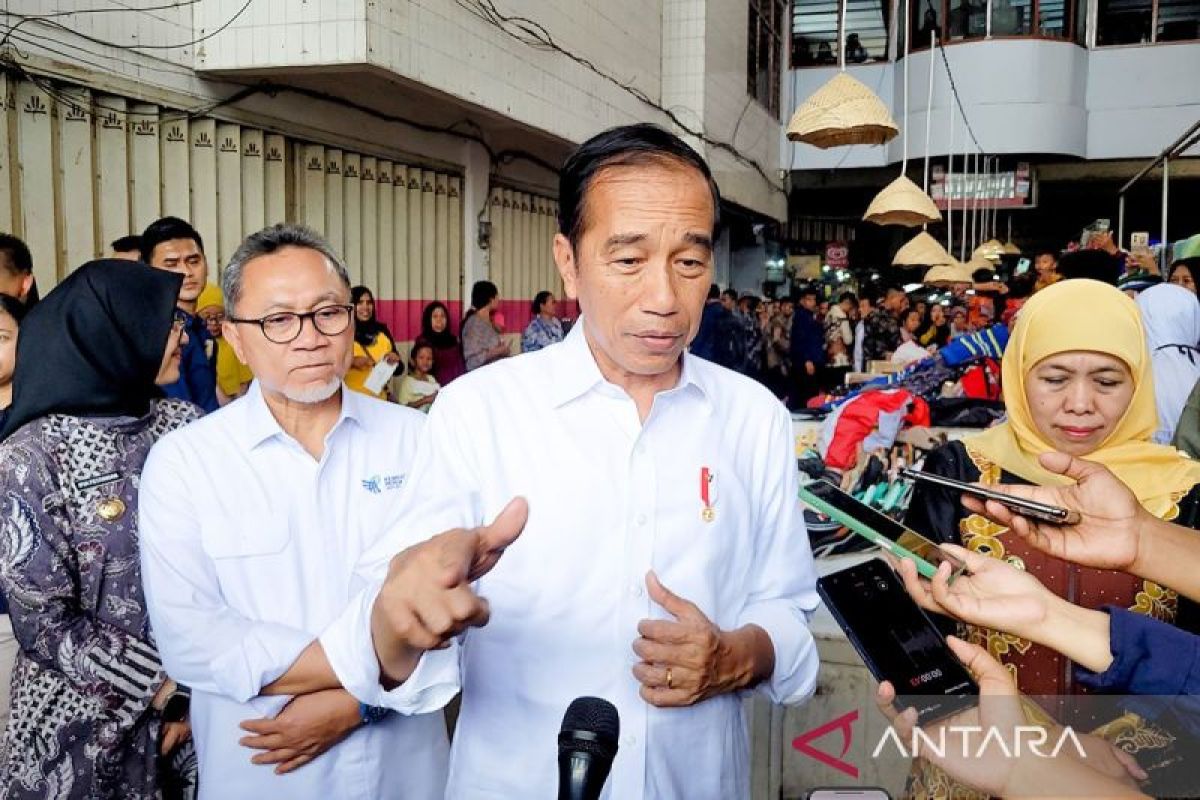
(991, 594)
(994, 594)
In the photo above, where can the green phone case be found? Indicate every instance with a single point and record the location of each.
(926, 569)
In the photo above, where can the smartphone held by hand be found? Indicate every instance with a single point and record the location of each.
(897, 641)
(1018, 505)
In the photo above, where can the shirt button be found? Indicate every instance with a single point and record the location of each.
(636, 590)
(631, 740)
(641, 519)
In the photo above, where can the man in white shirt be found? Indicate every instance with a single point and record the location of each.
(252, 521)
(664, 566)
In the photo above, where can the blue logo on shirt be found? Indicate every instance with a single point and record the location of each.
(377, 484)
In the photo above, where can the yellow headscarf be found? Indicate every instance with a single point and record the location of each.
(1093, 316)
(211, 296)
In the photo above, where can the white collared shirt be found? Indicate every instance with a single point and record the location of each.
(248, 549)
(610, 498)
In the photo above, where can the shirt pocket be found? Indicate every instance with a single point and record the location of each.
(259, 536)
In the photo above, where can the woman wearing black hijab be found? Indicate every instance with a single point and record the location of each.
(93, 715)
(448, 361)
(373, 342)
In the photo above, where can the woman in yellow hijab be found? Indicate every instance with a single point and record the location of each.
(1077, 379)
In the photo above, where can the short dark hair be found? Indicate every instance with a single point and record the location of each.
(482, 293)
(893, 287)
(128, 244)
(730, 293)
(625, 146)
(418, 346)
(539, 300)
(1052, 253)
(16, 258)
(806, 291)
(983, 275)
(714, 292)
(1095, 264)
(844, 296)
(164, 230)
(13, 307)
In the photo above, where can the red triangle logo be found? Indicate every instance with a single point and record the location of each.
(803, 743)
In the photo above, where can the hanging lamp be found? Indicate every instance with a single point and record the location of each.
(843, 111)
(902, 202)
(922, 251)
(947, 275)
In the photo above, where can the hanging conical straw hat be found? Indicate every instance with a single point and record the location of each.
(902, 203)
(922, 251)
(991, 250)
(979, 262)
(843, 111)
(946, 274)
(1011, 249)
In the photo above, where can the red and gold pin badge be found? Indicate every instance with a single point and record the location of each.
(707, 513)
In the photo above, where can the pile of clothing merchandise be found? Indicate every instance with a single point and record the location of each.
(971, 360)
(959, 386)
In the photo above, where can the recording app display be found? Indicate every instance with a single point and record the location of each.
(884, 525)
(896, 640)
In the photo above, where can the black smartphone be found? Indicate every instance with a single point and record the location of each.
(896, 641)
(1026, 508)
(879, 528)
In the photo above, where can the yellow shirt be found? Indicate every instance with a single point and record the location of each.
(378, 349)
(231, 373)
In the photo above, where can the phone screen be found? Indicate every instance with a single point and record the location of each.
(884, 525)
(896, 641)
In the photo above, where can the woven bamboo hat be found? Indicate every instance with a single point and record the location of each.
(902, 203)
(842, 112)
(990, 250)
(922, 251)
(947, 274)
(979, 262)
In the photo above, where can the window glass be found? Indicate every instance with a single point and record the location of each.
(1123, 21)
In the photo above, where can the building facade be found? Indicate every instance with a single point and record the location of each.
(1075, 95)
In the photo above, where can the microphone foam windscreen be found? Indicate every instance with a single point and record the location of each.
(595, 716)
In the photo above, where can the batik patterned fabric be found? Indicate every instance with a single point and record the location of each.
(82, 725)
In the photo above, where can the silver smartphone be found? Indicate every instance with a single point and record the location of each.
(1026, 508)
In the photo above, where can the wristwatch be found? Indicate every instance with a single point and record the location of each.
(177, 706)
(372, 714)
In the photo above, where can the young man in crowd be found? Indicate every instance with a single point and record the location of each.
(808, 350)
(175, 246)
(881, 333)
(779, 347)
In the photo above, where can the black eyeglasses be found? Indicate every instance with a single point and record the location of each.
(285, 326)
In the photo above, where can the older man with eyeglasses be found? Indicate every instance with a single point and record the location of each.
(252, 521)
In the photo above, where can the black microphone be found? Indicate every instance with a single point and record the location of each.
(587, 744)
